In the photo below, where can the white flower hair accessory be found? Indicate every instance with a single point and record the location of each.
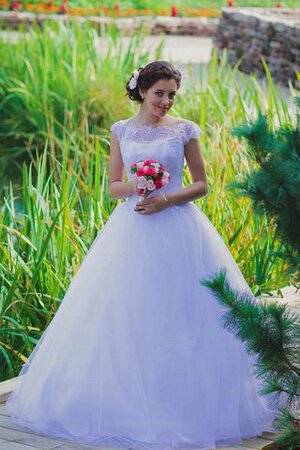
(133, 82)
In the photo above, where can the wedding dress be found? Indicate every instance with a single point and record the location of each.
(136, 355)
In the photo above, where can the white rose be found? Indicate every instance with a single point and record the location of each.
(141, 182)
(150, 185)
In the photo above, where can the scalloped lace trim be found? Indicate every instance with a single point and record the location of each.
(148, 133)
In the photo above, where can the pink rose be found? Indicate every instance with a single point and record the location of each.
(151, 171)
(141, 172)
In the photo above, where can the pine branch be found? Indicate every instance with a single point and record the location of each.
(258, 135)
(267, 330)
(273, 334)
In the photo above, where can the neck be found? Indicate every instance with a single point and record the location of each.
(144, 117)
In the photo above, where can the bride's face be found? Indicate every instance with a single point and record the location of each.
(159, 98)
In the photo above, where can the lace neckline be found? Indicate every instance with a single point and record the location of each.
(152, 127)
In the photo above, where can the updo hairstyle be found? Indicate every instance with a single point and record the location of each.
(149, 75)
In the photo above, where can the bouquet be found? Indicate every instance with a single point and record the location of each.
(149, 175)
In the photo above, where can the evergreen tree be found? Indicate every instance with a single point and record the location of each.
(269, 330)
(274, 186)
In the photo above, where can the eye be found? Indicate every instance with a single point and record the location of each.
(158, 93)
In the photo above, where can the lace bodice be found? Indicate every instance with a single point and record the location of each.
(164, 143)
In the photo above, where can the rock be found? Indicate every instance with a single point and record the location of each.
(198, 26)
(273, 34)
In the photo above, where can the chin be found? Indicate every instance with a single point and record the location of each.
(163, 111)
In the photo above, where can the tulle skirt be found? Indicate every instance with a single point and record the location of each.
(136, 355)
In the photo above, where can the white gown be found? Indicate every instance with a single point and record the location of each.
(136, 355)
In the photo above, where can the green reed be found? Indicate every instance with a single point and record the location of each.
(58, 96)
(43, 240)
(56, 82)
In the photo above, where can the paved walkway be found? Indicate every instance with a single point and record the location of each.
(188, 53)
(291, 297)
(181, 49)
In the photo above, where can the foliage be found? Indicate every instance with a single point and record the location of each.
(185, 7)
(60, 90)
(274, 185)
(271, 333)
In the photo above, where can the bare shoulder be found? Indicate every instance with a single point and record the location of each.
(177, 121)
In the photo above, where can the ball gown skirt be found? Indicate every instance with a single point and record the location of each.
(136, 355)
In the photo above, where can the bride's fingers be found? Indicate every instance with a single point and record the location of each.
(145, 210)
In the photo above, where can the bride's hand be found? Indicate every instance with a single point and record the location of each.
(151, 205)
(133, 186)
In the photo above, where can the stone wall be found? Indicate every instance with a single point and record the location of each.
(252, 33)
(184, 26)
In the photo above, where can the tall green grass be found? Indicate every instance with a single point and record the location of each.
(44, 241)
(56, 83)
(58, 96)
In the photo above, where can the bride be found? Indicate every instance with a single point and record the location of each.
(136, 356)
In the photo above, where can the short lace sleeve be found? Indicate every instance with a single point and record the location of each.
(117, 128)
(192, 130)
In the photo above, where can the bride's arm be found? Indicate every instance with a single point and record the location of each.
(117, 187)
(196, 166)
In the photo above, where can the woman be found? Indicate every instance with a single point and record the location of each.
(136, 355)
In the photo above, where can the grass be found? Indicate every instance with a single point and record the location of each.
(58, 97)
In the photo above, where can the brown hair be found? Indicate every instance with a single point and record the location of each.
(149, 75)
